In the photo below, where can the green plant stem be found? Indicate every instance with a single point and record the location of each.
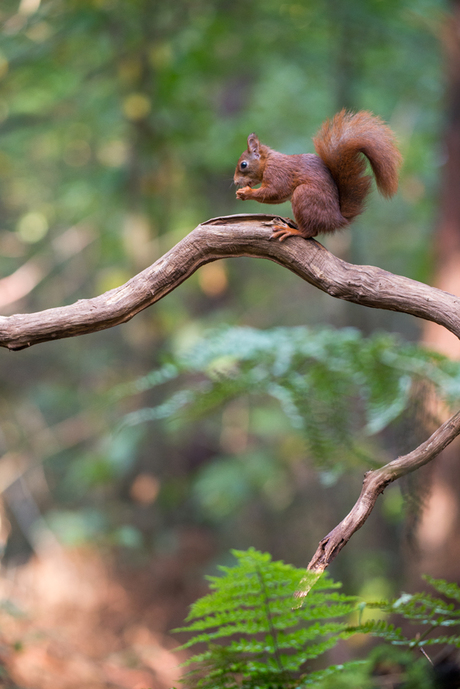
(271, 627)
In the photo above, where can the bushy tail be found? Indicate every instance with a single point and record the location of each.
(340, 143)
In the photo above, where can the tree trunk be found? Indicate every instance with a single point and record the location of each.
(439, 530)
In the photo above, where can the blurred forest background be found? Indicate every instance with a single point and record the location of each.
(120, 127)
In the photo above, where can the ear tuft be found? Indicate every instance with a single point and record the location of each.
(254, 145)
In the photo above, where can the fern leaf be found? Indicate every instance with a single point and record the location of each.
(316, 678)
(449, 589)
(379, 628)
(250, 611)
(335, 387)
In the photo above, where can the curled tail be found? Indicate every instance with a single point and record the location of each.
(340, 143)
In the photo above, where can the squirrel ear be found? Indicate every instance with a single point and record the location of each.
(254, 145)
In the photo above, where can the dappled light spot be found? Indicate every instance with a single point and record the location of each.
(113, 153)
(136, 106)
(213, 279)
(28, 6)
(39, 32)
(145, 489)
(32, 227)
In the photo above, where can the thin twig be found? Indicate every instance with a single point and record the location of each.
(375, 483)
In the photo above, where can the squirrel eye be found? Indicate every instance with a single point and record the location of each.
(244, 165)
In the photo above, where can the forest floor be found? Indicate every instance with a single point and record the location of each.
(84, 619)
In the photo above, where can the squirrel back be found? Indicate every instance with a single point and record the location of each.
(340, 143)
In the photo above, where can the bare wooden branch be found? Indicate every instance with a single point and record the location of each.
(375, 483)
(249, 235)
(235, 235)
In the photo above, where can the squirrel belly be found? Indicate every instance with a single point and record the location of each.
(327, 190)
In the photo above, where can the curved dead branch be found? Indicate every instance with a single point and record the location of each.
(375, 483)
(249, 235)
(235, 235)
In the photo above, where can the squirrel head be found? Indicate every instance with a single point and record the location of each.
(250, 168)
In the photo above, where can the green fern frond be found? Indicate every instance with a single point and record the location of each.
(354, 670)
(380, 628)
(255, 638)
(429, 613)
(329, 383)
(264, 639)
(446, 588)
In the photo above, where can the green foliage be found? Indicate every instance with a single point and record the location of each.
(256, 636)
(430, 614)
(336, 387)
(255, 632)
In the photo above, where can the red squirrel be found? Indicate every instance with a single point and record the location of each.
(327, 190)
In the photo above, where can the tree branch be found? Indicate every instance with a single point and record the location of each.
(375, 483)
(235, 235)
(249, 235)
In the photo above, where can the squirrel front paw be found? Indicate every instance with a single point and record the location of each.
(244, 193)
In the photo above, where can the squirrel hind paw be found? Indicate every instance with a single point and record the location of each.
(282, 232)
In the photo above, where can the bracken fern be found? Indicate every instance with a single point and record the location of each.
(335, 386)
(435, 617)
(255, 634)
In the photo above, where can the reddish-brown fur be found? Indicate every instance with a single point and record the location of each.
(326, 190)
